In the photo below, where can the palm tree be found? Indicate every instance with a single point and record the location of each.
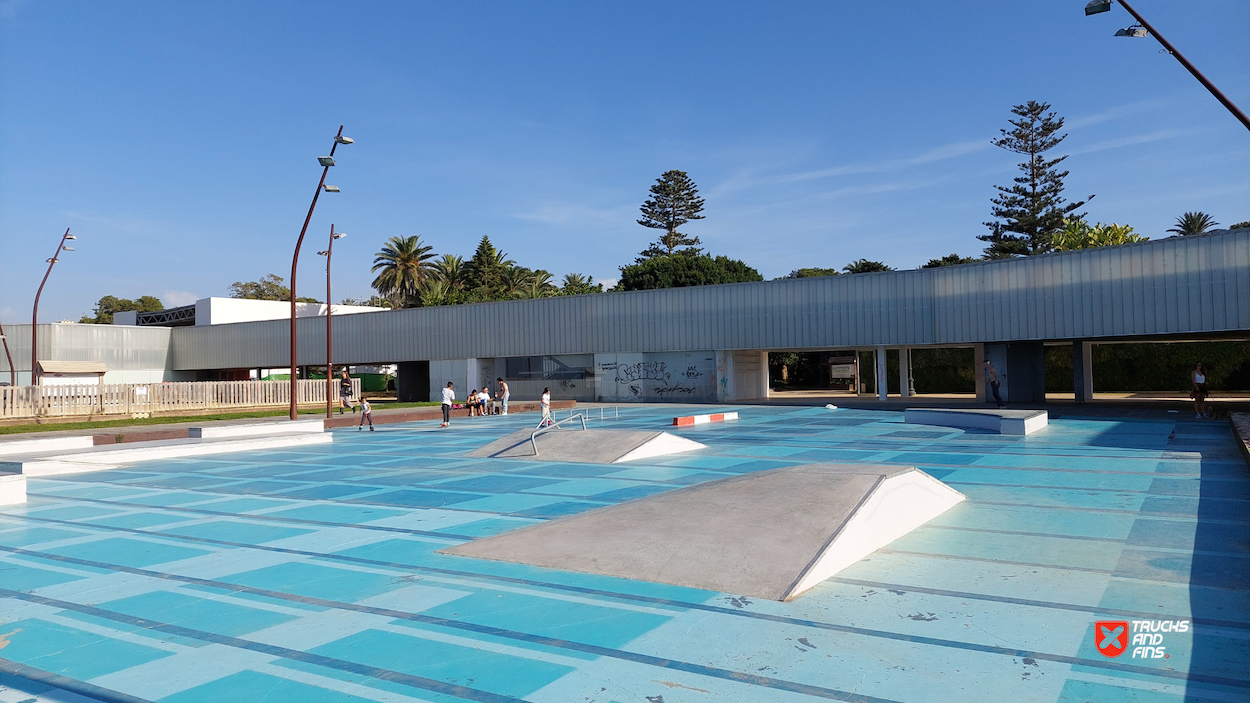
(450, 270)
(1192, 223)
(865, 266)
(513, 281)
(404, 265)
(539, 285)
(434, 291)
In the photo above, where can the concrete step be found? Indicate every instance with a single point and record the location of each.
(589, 446)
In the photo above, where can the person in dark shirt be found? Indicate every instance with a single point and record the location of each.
(345, 393)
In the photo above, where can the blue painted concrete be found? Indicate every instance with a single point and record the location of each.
(317, 570)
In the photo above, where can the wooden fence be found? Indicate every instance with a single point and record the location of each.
(147, 398)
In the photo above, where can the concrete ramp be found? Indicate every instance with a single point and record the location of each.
(772, 534)
(1011, 422)
(587, 446)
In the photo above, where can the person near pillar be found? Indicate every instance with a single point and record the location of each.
(991, 375)
(1198, 390)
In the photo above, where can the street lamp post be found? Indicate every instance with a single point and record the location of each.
(1099, 6)
(329, 252)
(326, 162)
(34, 316)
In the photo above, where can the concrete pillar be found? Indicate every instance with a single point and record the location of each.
(904, 373)
(471, 381)
(978, 372)
(1082, 371)
(763, 390)
(883, 385)
(724, 376)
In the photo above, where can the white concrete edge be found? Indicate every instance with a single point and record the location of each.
(662, 444)
(898, 505)
(100, 461)
(46, 444)
(12, 489)
(257, 428)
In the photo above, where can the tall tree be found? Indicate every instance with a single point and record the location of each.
(1192, 223)
(866, 266)
(674, 201)
(108, 305)
(402, 266)
(450, 269)
(1030, 212)
(267, 287)
(486, 268)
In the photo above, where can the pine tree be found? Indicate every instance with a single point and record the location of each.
(674, 201)
(1030, 212)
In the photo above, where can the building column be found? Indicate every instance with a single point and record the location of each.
(883, 385)
(763, 375)
(1082, 371)
(978, 372)
(904, 373)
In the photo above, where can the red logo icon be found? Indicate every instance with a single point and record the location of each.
(1111, 637)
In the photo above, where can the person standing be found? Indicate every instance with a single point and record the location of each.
(1198, 390)
(345, 393)
(545, 402)
(366, 413)
(449, 397)
(991, 375)
(503, 394)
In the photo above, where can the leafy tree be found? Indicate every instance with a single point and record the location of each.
(682, 270)
(674, 201)
(577, 284)
(108, 305)
(811, 273)
(1240, 225)
(268, 287)
(1192, 223)
(403, 264)
(865, 266)
(1078, 234)
(1031, 211)
(949, 260)
(373, 301)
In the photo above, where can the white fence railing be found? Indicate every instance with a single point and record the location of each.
(135, 398)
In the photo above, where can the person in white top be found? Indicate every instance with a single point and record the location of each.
(449, 397)
(503, 394)
(483, 398)
(1198, 390)
(546, 405)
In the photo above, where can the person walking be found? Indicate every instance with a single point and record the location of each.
(503, 394)
(345, 393)
(545, 402)
(366, 413)
(449, 397)
(991, 375)
(1198, 390)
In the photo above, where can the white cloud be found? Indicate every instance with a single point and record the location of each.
(569, 214)
(1157, 135)
(178, 298)
(607, 282)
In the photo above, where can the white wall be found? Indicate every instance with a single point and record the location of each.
(222, 311)
(454, 370)
(656, 377)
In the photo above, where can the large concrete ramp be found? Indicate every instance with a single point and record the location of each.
(587, 446)
(771, 534)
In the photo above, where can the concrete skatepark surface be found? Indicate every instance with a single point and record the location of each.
(313, 573)
(589, 446)
(759, 534)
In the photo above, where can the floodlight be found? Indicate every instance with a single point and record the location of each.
(340, 235)
(70, 236)
(331, 189)
(1097, 6)
(1134, 31)
(325, 160)
(51, 261)
(67, 248)
(344, 140)
(323, 253)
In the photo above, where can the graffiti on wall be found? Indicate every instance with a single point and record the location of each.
(642, 371)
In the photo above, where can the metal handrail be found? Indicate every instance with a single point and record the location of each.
(552, 426)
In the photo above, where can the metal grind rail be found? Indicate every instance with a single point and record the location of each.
(553, 426)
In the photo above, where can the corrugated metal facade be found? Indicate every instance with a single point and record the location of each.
(1177, 286)
(120, 348)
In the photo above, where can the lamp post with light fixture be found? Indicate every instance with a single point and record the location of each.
(329, 314)
(326, 162)
(34, 316)
(1143, 29)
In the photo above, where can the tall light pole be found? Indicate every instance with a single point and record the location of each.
(326, 162)
(329, 252)
(1098, 6)
(34, 315)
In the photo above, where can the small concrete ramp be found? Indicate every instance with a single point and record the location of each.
(587, 446)
(772, 534)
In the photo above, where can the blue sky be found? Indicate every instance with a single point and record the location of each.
(179, 140)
